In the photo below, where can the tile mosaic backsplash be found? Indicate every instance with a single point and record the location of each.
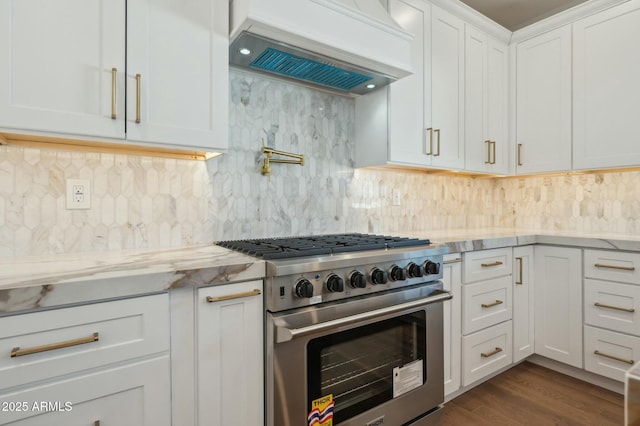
(143, 202)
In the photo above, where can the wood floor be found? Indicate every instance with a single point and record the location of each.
(532, 395)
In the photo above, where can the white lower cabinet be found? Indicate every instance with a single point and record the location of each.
(486, 313)
(609, 353)
(523, 302)
(137, 394)
(558, 304)
(452, 281)
(96, 364)
(486, 351)
(230, 355)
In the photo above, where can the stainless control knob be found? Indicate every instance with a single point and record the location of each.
(334, 283)
(304, 288)
(397, 273)
(357, 280)
(414, 270)
(378, 276)
(431, 268)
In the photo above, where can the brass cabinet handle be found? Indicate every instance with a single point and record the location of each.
(488, 265)
(138, 78)
(615, 358)
(254, 292)
(492, 353)
(490, 305)
(430, 130)
(16, 352)
(493, 146)
(96, 423)
(488, 152)
(622, 268)
(600, 305)
(114, 96)
(456, 260)
(519, 154)
(519, 280)
(438, 144)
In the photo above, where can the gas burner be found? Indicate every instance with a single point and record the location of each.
(314, 245)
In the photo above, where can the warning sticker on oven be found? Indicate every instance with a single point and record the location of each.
(407, 377)
(321, 411)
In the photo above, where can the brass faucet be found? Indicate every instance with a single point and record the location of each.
(266, 165)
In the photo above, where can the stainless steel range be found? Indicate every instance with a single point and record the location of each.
(353, 329)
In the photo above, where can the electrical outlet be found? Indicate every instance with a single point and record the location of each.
(78, 194)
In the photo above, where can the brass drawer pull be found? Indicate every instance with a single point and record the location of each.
(16, 352)
(114, 96)
(438, 144)
(490, 305)
(488, 152)
(493, 145)
(520, 154)
(488, 265)
(615, 358)
(96, 423)
(138, 83)
(600, 305)
(255, 292)
(492, 353)
(519, 280)
(622, 268)
(456, 260)
(430, 130)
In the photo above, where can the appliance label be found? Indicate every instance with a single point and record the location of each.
(321, 411)
(407, 377)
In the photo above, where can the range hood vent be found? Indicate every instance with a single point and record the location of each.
(346, 46)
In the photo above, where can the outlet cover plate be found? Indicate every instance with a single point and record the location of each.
(78, 194)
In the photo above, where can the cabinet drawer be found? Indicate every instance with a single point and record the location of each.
(612, 265)
(137, 394)
(612, 305)
(608, 353)
(486, 351)
(73, 339)
(486, 303)
(486, 264)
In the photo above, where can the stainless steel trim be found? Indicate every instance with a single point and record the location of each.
(284, 334)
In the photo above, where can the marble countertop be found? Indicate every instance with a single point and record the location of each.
(43, 281)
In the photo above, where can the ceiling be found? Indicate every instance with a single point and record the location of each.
(517, 14)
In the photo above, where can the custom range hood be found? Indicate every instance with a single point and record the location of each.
(346, 46)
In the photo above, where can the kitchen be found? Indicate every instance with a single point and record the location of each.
(143, 202)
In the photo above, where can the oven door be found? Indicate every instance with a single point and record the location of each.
(357, 362)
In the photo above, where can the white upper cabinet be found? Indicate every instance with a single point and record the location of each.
(409, 98)
(607, 88)
(486, 78)
(445, 138)
(418, 120)
(543, 105)
(58, 63)
(180, 52)
(62, 70)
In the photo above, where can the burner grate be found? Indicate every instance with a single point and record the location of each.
(292, 247)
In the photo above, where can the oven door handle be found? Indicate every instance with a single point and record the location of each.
(284, 334)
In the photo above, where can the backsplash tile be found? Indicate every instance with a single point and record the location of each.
(144, 202)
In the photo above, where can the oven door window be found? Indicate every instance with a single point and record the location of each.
(357, 366)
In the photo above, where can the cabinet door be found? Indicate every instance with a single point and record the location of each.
(523, 302)
(230, 355)
(606, 88)
(543, 105)
(409, 101)
(477, 144)
(558, 304)
(447, 89)
(56, 66)
(452, 280)
(133, 394)
(486, 99)
(180, 52)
